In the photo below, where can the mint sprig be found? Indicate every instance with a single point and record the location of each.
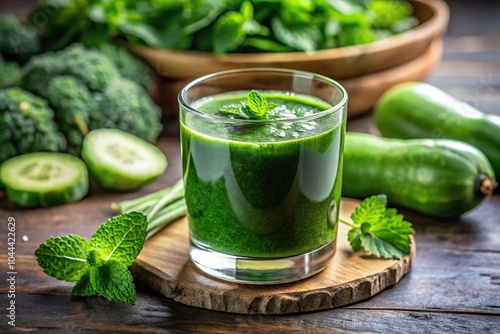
(64, 257)
(99, 267)
(255, 107)
(378, 230)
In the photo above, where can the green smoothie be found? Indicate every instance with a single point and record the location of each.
(263, 188)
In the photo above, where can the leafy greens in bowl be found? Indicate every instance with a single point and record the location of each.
(223, 26)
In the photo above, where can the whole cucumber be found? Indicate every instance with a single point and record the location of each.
(420, 110)
(436, 177)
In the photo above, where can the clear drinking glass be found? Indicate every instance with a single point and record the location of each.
(263, 195)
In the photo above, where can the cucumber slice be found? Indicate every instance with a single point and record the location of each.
(121, 161)
(44, 179)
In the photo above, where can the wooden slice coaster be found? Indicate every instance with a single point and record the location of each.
(165, 266)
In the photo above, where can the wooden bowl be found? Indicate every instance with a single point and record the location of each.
(338, 63)
(363, 91)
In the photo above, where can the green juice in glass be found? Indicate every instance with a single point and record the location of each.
(263, 189)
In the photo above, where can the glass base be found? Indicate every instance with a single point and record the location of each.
(262, 271)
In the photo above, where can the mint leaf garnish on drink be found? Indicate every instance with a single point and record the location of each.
(378, 230)
(100, 267)
(255, 107)
(257, 104)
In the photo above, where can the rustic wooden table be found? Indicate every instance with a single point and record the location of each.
(453, 287)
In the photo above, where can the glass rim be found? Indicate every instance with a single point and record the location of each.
(338, 106)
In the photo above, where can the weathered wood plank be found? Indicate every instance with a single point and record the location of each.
(441, 279)
(152, 314)
(446, 280)
(478, 229)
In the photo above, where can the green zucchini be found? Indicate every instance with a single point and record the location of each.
(436, 177)
(420, 110)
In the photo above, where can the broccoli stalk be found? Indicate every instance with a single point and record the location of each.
(72, 103)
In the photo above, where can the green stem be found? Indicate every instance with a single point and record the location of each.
(164, 214)
(342, 220)
(176, 210)
(177, 191)
(161, 207)
(131, 204)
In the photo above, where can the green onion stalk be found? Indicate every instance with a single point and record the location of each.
(161, 207)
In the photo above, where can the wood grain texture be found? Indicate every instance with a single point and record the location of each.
(165, 266)
(57, 314)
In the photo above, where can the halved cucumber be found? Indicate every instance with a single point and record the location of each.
(44, 179)
(121, 161)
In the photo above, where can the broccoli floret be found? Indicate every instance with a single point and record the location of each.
(27, 125)
(129, 66)
(125, 105)
(72, 103)
(89, 66)
(10, 73)
(17, 42)
(83, 82)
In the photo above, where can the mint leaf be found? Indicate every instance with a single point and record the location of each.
(94, 258)
(228, 33)
(370, 210)
(121, 238)
(246, 10)
(257, 103)
(380, 231)
(255, 107)
(101, 265)
(201, 15)
(302, 38)
(83, 287)
(354, 237)
(113, 281)
(231, 29)
(394, 229)
(231, 110)
(271, 106)
(64, 257)
(265, 44)
(379, 247)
